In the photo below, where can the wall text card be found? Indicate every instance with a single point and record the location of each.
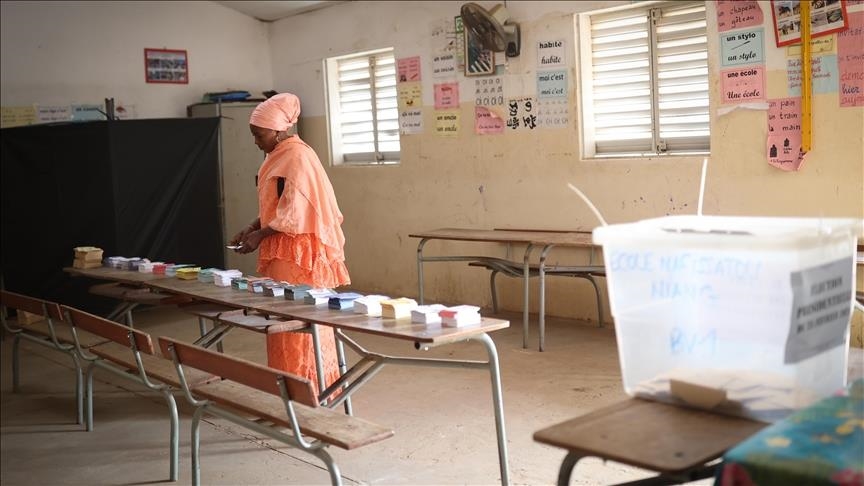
(521, 113)
(447, 123)
(737, 14)
(745, 47)
(551, 54)
(446, 96)
(552, 84)
(823, 75)
(410, 95)
(553, 113)
(408, 69)
(784, 134)
(743, 85)
(850, 60)
(487, 122)
(489, 91)
(411, 121)
(444, 65)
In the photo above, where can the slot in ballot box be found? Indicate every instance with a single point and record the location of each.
(742, 315)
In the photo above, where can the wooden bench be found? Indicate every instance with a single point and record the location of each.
(283, 400)
(131, 355)
(51, 332)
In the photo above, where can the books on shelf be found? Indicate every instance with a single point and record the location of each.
(398, 308)
(460, 315)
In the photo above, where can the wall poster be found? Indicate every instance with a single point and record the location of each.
(826, 16)
(166, 66)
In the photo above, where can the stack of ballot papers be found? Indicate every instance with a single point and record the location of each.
(222, 278)
(206, 275)
(343, 300)
(297, 292)
(398, 308)
(318, 296)
(460, 315)
(160, 268)
(274, 289)
(188, 273)
(369, 305)
(87, 257)
(147, 267)
(256, 284)
(239, 283)
(171, 270)
(427, 314)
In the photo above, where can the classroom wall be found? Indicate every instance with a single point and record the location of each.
(518, 180)
(73, 52)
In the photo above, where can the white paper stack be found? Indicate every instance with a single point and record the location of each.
(222, 278)
(460, 315)
(318, 296)
(427, 314)
(147, 267)
(369, 305)
(398, 308)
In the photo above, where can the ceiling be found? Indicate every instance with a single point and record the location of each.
(275, 10)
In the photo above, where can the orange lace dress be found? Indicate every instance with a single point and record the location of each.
(307, 250)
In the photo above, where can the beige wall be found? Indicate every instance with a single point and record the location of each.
(519, 180)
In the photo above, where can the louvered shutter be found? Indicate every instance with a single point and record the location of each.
(369, 118)
(627, 69)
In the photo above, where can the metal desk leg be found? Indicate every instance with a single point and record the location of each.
(541, 317)
(567, 466)
(498, 402)
(526, 276)
(420, 268)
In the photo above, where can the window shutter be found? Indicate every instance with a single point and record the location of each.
(682, 75)
(369, 118)
(650, 79)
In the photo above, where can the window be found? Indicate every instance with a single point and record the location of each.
(362, 110)
(645, 80)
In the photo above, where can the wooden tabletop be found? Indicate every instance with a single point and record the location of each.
(652, 435)
(432, 335)
(558, 238)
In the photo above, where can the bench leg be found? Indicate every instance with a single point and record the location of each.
(196, 436)
(175, 435)
(498, 403)
(567, 466)
(202, 328)
(89, 400)
(599, 300)
(16, 364)
(332, 468)
(79, 391)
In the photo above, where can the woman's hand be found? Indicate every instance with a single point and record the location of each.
(252, 240)
(239, 237)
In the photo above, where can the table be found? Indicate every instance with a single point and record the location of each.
(676, 442)
(546, 240)
(422, 336)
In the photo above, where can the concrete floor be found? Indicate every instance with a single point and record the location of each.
(442, 417)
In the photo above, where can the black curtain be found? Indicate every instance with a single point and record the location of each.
(146, 188)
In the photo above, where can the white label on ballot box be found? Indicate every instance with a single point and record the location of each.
(821, 306)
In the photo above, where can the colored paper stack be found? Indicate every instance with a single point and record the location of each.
(223, 278)
(274, 289)
(206, 275)
(460, 316)
(239, 283)
(87, 257)
(171, 270)
(297, 292)
(188, 273)
(255, 285)
(147, 267)
(369, 305)
(398, 308)
(343, 300)
(318, 296)
(427, 314)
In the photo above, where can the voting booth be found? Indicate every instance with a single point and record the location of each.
(742, 315)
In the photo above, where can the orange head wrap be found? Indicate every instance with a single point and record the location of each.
(277, 113)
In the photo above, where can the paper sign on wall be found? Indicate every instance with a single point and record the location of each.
(553, 113)
(410, 96)
(411, 121)
(444, 64)
(16, 116)
(551, 53)
(446, 96)
(487, 122)
(737, 14)
(521, 113)
(87, 112)
(823, 75)
(447, 123)
(850, 61)
(489, 91)
(408, 69)
(784, 134)
(743, 85)
(53, 114)
(552, 84)
(745, 47)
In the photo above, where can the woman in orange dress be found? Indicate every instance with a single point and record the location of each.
(298, 231)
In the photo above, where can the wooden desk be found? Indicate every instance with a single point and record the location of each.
(546, 240)
(674, 441)
(423, 337)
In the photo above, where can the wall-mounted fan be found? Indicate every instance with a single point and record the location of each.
(492, 28)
